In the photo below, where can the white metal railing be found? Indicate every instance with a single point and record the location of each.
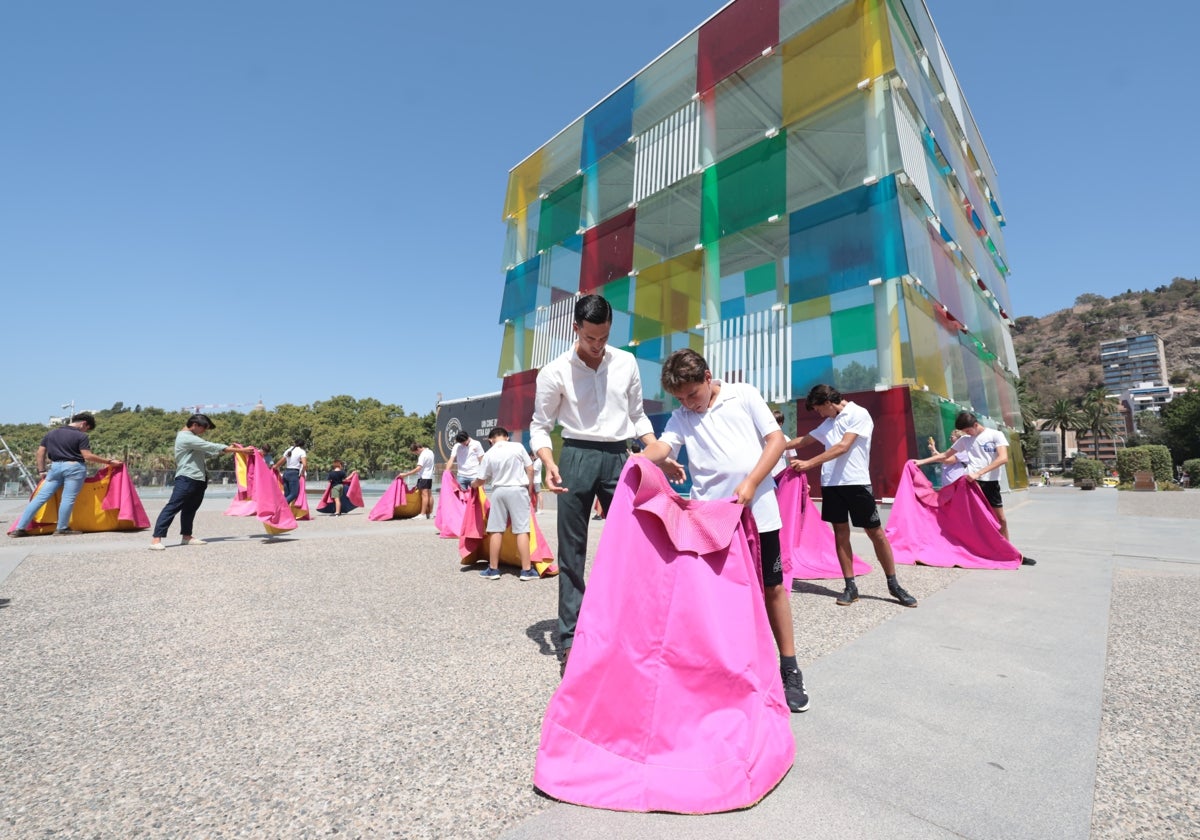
(754, 348)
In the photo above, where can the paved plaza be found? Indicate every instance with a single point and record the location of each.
(354, 679)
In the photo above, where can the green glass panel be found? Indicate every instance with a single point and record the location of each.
(760, 280)
(559, 218)
(745, 189)
(617, 294)
(853, 329)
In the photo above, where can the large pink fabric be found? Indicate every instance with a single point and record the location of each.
(395, 496)
(806, 540)
(270, 506)
(672, 699)
(123, 497)
(472, 540)
(452, 505)
(953, 526)
(300, 507)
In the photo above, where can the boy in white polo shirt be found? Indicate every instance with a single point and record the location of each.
(733, 442)
(846, 495)
(509, 469)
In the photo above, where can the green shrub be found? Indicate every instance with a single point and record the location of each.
(1131, 460)
(1191, 469)
(1085, 468)
(1168, 485)
(1160, 462)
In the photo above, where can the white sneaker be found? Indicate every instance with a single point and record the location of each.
(157, 547)
(194, 541)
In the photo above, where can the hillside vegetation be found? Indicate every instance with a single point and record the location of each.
(1059, 354)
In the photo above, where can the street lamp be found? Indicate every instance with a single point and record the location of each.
(71, 413)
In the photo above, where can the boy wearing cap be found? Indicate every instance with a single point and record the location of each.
(190, 479)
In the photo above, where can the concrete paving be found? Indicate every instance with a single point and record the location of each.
(355, 679)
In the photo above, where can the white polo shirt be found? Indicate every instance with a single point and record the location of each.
(724, 445)
(467, 457)
(425, 462)
(981, 450)
(853, 467)
(505, 463)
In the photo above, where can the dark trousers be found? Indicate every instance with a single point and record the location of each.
(587, 474)
(185, 500)
(291, 485)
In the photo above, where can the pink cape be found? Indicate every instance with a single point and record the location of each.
(300, 506)
(108, 501)
(260, 494)
(472, 539)
(352, 494)
(394, 503)
(809, 550)
(244, 498)
(451, 507)
(672, 699)
(953, 526)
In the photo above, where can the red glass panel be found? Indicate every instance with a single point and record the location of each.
(516, 400)
(734, 38)
(893, 442)
(607, 252)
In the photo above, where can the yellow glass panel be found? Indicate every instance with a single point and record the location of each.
(669, 293)
(806, 310)
(923, 329)
(507, 346)
(827, 61)
(523, 184)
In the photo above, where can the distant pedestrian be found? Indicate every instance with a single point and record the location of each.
(509, 470)
(191, 479)
(67, 449)
(424, 472)
(295, 464)
(337, 485)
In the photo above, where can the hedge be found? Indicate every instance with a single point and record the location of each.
(1131, 460)
(1085, 468)
(1192, 468)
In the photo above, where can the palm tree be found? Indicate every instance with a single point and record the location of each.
(1098, 411)
(1065, 417)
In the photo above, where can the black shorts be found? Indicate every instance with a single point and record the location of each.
(772, 560)
(991, 490)
(855, 501)
(424, 483)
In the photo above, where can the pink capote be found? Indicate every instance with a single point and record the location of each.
(953, 526)
(672, 699)
(266, 494)
(244, 498)
(120, 507)
(451, 506)
(472, 540)
(806, 540)
(395, 496)
(353, 493)
(300, 506)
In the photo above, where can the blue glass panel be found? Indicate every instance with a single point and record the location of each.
(520, 289)
(846, 241)
(812, 338)
(607, 126)
(809, 372)
(733, 286)
(733, 308)
(852, 298)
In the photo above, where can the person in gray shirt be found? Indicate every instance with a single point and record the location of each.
(190, 479)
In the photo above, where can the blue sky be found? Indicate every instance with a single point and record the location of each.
(209, 203)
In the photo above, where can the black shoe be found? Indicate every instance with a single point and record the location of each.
(793, 690)
(900, 595)
(19, 532)
(67, 532)
(1028, 561)
(849, 596)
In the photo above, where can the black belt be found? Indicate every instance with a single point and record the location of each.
(616, 447)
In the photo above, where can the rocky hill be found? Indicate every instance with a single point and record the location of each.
(1059, 354)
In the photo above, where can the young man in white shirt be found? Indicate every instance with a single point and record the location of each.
(986, 453)
(509, 469)
(846, 495)
(465, 457)
(295, 464)
(733, 442)
(425, 478)
(594, 392)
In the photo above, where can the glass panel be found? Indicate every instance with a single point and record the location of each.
(748, 249)
(745, 189)
(668, 223)
(607, 126)
(559, 217)
(762, 279)
(827, 61)
(807, 372)
(845, 242)
(827, 154)
(734, 37)
(856, 371)
(666, 85)
(521, 241)
(617, 293)
(747, 105)
(607, 252)
(516, 400)
(669, 295)
(520, 290)
(795, 15)
(853, 330)
(560, 157)
(560, 267)
(609, 186)
(813, 337)
(523, 187)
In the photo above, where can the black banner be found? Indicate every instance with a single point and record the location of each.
(474, 415)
